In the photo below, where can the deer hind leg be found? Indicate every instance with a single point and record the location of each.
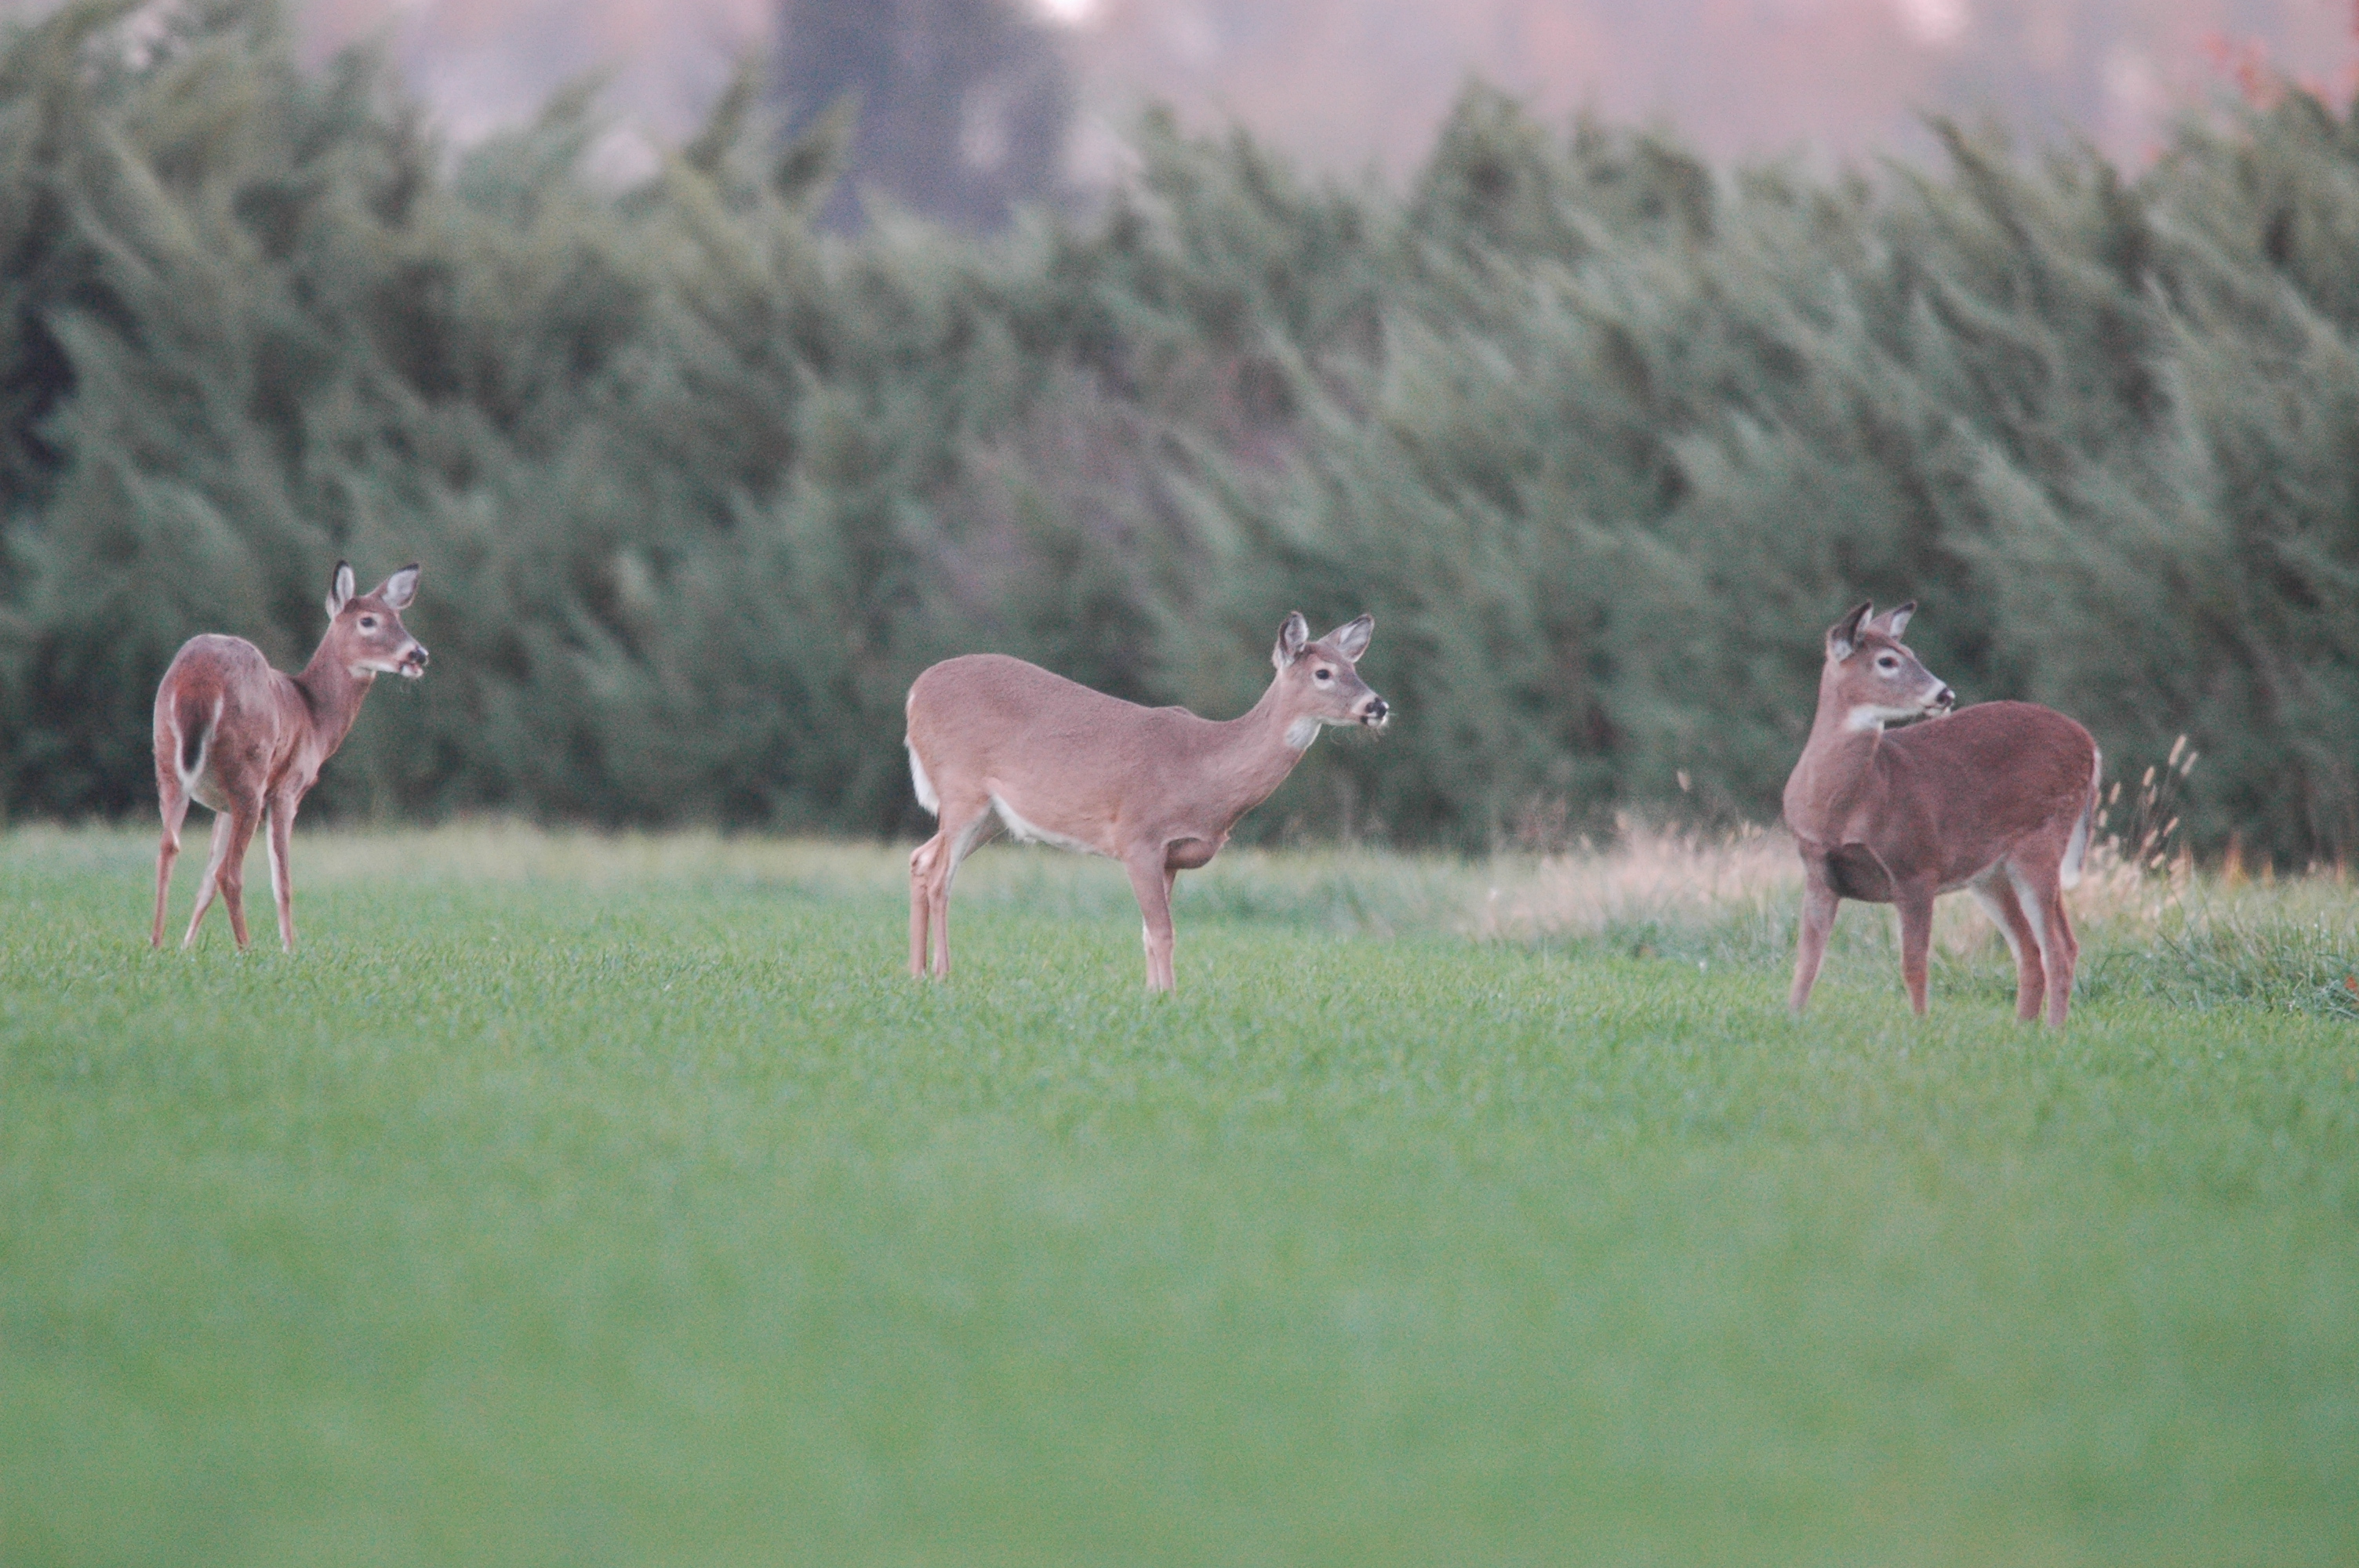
(230, 877)
(1915, 906)
(174, 800)
(1820, 904)
(1995, 894)
(1151, 880)
(929, 884)
(2060, 951)
(921, 868)
(209, 885)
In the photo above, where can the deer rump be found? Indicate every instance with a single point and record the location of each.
(211, 680)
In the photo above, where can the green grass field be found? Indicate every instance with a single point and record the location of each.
(581, 1201)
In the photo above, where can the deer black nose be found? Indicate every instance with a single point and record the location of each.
(1377, 710)
(1945, 697)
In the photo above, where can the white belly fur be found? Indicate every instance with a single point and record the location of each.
(1032, 832)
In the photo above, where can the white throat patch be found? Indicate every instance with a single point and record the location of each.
(1868, 716)
(1302, 732)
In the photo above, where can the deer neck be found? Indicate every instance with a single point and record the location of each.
(1837, 766)
(333, 693)
(1250, 755)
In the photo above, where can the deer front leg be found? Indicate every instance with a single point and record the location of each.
(1151, 881)
(1819, 906)
(1915, 906)
(282, 874)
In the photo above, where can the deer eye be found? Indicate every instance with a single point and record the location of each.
(368, 622)
(1887, 663)
(1322, 674)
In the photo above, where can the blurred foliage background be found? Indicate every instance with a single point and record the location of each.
(1603, 435)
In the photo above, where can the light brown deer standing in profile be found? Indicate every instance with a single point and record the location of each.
(1156, 788)
(1997, 798)
(241, 738)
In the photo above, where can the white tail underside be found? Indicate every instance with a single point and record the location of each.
(2068, 874)
(927, 796)
(191, 772)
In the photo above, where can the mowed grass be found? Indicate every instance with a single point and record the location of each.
(580, 1202)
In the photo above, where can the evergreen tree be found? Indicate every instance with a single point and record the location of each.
(1602, 435)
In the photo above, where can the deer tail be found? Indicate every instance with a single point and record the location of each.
(919, 781)
(2077, 848)
(194, 725)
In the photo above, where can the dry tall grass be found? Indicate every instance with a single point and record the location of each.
(2149, 918)
(1647, 876)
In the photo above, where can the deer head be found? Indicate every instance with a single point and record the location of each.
(1318, 682)
(1873, 677)
(364, 629)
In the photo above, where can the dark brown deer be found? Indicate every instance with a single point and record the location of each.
(1156, 788)
(242, 738)
(1996, 798)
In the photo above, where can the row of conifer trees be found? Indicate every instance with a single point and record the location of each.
(1603, 435)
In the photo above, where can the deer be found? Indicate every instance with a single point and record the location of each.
(1996, 798)
(1158, 789)
(242, 738)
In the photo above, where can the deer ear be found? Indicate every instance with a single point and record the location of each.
(341, 591)
(1843, 637)
(400, 588)
(1351, 640)
(1292, 638)
(1895, 621)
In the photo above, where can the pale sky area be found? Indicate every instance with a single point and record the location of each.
(1346, 84)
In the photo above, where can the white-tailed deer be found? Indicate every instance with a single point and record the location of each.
(1156, 788)
(1996, 798)
(243, 738)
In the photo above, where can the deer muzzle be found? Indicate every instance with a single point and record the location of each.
(413, 661)
(1376, 713)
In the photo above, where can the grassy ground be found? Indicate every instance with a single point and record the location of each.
(620, 1201)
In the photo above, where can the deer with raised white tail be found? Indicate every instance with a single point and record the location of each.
(242, 738)
(1997, 798)
(1156, 788)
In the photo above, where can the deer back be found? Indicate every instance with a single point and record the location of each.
(1945, 798)
(1069, 757)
